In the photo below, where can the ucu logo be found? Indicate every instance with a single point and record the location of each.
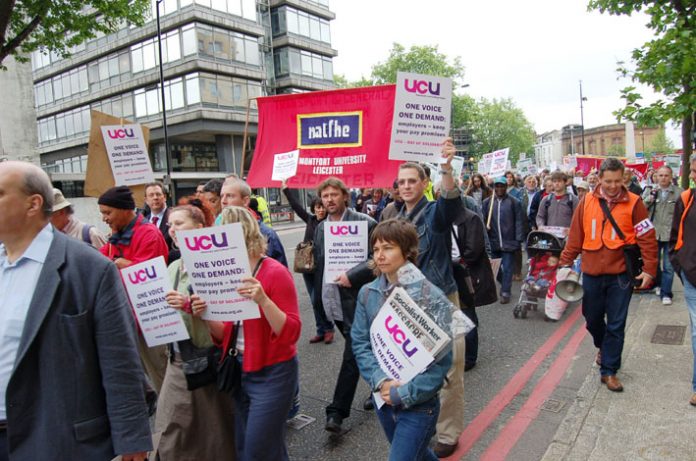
(206, 242)
(422, 87)
(121, 133)
(400, 337)
(343, 230)
(142, 275)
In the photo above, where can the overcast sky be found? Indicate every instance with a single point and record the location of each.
(534, 52)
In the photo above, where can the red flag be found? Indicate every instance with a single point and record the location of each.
(341, 133)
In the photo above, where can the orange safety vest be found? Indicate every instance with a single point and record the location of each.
(688, 199)
(598, 229)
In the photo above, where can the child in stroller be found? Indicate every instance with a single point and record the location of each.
(544, 250)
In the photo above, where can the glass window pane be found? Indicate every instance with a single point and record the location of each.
(304, 24)
(152, 97)
(238, 47)
(149, 58)
(137, 59)
(124, 63)
(183, 3)
(173, 47)
(209, 91)
(127, 101)
(82, 76)
(113, 66)
(317, 70)
(51, 128)
(70, 125)
(60, 126)
(249, 9)
(325, 32)
(65, 82)
(205, 38)
(252, 52)
(314, 29)
(224, 87)
(84, 114)
(306, 64)
(203, 2)
(57, 88)
(93, 71)
(193, 90)
(235, 7)
(176, 94)
(295, 64)
(140, 104)
(221, 44)
(293, 26)
(103, 69)
(328, 69)
(220, 5)
(188, 36)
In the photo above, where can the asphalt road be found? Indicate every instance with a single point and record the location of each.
(527, 374)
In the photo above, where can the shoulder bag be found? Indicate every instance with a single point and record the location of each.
(632, 256)
(229, 370)
(304, 258)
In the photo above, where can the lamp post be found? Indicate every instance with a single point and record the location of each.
(642, 136)
(168, 184)
(582, 119)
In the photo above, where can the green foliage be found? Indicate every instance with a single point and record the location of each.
(667, 64)
(616, 150)
(28, 25)
(661, 144)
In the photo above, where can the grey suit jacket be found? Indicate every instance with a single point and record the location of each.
(76, 392)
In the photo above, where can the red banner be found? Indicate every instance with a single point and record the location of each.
(341, 133)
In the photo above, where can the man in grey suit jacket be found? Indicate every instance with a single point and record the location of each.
(71, 384)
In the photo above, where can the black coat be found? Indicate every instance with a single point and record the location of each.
(470, 239)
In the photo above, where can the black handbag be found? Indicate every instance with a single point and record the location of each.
(229, 370)
(631, 252)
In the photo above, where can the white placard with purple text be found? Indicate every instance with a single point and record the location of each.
(127, 152)
(345, 246)
(421, 121)
(285, 165)
(499, 163)
(216, 259)
(147, 284)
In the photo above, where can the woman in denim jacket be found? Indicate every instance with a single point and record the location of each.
(411, 409)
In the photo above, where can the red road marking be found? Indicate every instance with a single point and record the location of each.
(488, 415)
(518, 424)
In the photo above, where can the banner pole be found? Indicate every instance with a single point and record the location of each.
(490, 213)
(244, 142)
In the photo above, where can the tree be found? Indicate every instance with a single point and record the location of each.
(29, 25)
(667, 64)
(500, 123)
(616, 150)
(661, 144)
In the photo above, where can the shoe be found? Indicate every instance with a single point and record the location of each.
(442, 450)
(613, 383)
(368, 403)
(598, 359)
(469, 365)
(328, 337)
(504, 299)
(666, 301)
(316, 339)
(334, 424)
(692, 401)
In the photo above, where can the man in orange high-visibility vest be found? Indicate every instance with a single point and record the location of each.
(606, 283)
(683, 257)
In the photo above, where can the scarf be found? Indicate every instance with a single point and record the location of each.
(124, 236)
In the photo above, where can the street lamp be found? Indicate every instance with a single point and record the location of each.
(168, 184)
(582, 119)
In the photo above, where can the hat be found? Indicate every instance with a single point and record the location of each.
(500, 180)
(118, 197)
(583, 185)
(59, 201)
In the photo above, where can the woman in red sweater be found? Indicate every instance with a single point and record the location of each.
(267, 348)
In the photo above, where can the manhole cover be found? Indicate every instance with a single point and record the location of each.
(553, 405)
(669, 334)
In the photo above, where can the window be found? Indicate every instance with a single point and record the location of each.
(188, 36)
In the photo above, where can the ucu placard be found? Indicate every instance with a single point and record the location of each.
(422, 86)
(127, 152)
(345, 246)
(142, 275)
(121, 133)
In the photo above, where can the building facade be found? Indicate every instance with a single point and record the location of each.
(217, 56)
(606, 139)
(17, 127)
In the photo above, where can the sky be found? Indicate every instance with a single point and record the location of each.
(535, 52)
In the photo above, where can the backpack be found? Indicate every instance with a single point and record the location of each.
(547, 204)
(85, 234)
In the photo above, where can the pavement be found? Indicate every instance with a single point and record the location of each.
(651, 419)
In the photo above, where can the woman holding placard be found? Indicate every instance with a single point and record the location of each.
(410, 410)
(194, 417)
(266, 348)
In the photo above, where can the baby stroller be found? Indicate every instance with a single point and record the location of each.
(542, 248)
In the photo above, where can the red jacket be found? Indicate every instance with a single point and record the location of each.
(262, 347)
(147, 243)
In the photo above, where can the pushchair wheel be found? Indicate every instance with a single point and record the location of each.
(517, 311)
(523, 312)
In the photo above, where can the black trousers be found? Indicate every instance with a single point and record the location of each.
(4, 454)
(348, 378)
(471, 338)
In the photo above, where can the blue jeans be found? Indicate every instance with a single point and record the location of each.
(665, 272)
(409, 430)
(690, 295)
(506, 270)
(262, 405)
(607, 295)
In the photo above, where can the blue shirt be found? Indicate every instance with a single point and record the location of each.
(17, 285)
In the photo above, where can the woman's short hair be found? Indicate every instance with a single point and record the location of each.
(194, 213)
(254, 240)
(316, 201)
(400, 233)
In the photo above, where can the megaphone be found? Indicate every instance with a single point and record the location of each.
(570, 289)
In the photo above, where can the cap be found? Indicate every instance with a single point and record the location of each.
(118, 197)
(59, 201)
(500, 180)
(583, 185)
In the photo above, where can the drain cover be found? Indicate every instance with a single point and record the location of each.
(672, 335)
(553, 405)
(300, 421)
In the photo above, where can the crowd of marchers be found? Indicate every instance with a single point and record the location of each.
(78, 380)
